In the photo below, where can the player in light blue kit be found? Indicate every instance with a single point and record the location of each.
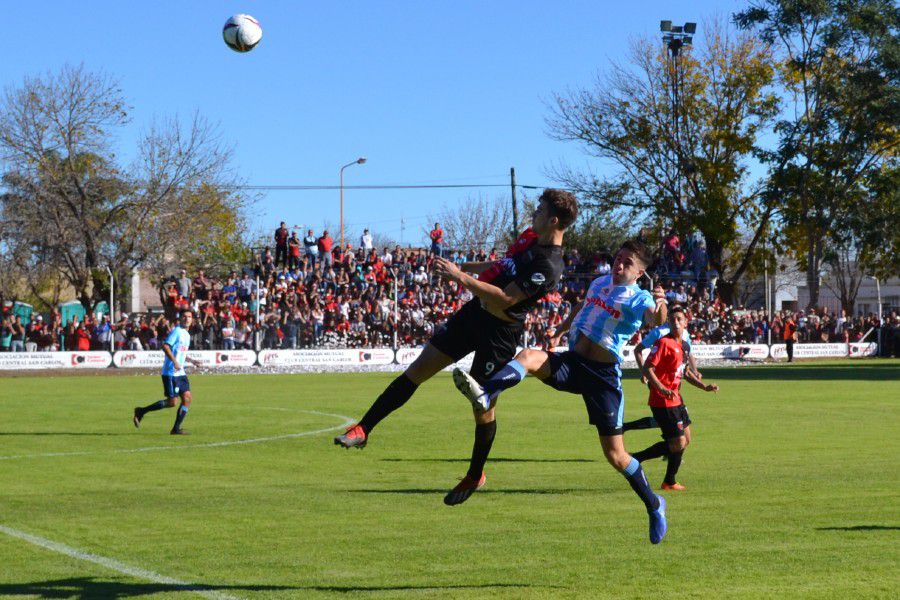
(613, 310)
(175, 381)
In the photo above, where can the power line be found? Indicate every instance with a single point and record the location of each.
(305, 188)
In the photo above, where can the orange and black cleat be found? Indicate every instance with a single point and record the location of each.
(463, 490)
(675, 487)
(354, 437)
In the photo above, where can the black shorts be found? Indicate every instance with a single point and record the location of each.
(472, 329)
(600, 385)
(671, 420)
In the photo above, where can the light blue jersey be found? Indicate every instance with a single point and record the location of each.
(179, 340)
(611, 314)
(663, 330)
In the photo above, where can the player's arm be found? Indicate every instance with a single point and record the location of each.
(167, 350)
(476, 267)
(692, 367)
(566, 324)
(639, 359)
(706, 387)
(655, 383)
(657, 315)
(494, 298)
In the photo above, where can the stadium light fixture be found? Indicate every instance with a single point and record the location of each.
(690, 28)
(665, 25)
(359, 161)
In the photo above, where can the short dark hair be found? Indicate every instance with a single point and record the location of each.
(563, 205)
(677, 308)
(640, 250)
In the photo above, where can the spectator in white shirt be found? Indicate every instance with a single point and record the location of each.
(366, 241)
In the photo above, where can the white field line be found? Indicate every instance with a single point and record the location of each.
(114, 565)
(347, 422)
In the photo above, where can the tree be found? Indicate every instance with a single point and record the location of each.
(71, 208)
(476, 223)
(691, 178)
(839, 67)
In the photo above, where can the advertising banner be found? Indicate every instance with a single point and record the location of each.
(223, 359)
(139, 359)
(810, 351)
(326, 357)
(730, 351)
(864, 349)
(15, 361)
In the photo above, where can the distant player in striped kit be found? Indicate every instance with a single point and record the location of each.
(613, 310)
(175, 381)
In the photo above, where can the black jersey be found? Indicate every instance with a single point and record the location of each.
(536, 270)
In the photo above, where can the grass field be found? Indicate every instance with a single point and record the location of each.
(793, 491)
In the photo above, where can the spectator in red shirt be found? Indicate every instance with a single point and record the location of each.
(664, 369)
(437, 240)
(281, 245)
(325, 244)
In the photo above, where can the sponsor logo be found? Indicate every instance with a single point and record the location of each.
(614, 312)
(538, 278)
(681, 425)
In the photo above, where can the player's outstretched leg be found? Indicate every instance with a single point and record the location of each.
(655, 451)
(394, 396)
(482, 396)
(643, 423)
(140, 411)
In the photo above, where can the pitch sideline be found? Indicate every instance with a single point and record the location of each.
(115, 565)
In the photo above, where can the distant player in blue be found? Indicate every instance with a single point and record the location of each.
(613, 310)
(175, 381)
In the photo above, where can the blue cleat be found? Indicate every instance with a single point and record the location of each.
(658, 523)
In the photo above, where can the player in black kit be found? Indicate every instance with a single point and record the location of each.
(490, 325)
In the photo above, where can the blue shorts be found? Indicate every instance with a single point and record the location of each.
(174, 386)
(600, 384)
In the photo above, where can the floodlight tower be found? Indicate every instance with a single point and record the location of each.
(676, 38)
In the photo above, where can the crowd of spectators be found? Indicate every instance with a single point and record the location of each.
(310, 292)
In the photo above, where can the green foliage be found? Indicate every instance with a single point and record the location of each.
(70, 209)
(693, 177)
(838, 63)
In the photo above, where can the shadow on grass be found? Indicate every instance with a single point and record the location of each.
(84, 588)
(860, 528)
(493, 460)
(864, 371)
(480, 492)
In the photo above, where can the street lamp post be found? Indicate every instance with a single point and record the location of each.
(359, 161)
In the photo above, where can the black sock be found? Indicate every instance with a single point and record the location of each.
(179, 417)
(672, 468)
(644, 423)
(484, 439)
(158, 405)
(393, 397)
(638, 481)
(655, 451)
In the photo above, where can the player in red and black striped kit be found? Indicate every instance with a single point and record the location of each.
(664, 369)
(490, 325)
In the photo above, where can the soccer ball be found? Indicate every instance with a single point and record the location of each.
(242, 33)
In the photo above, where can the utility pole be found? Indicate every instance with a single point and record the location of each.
(515, 207)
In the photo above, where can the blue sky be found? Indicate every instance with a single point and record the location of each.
(451, 92)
